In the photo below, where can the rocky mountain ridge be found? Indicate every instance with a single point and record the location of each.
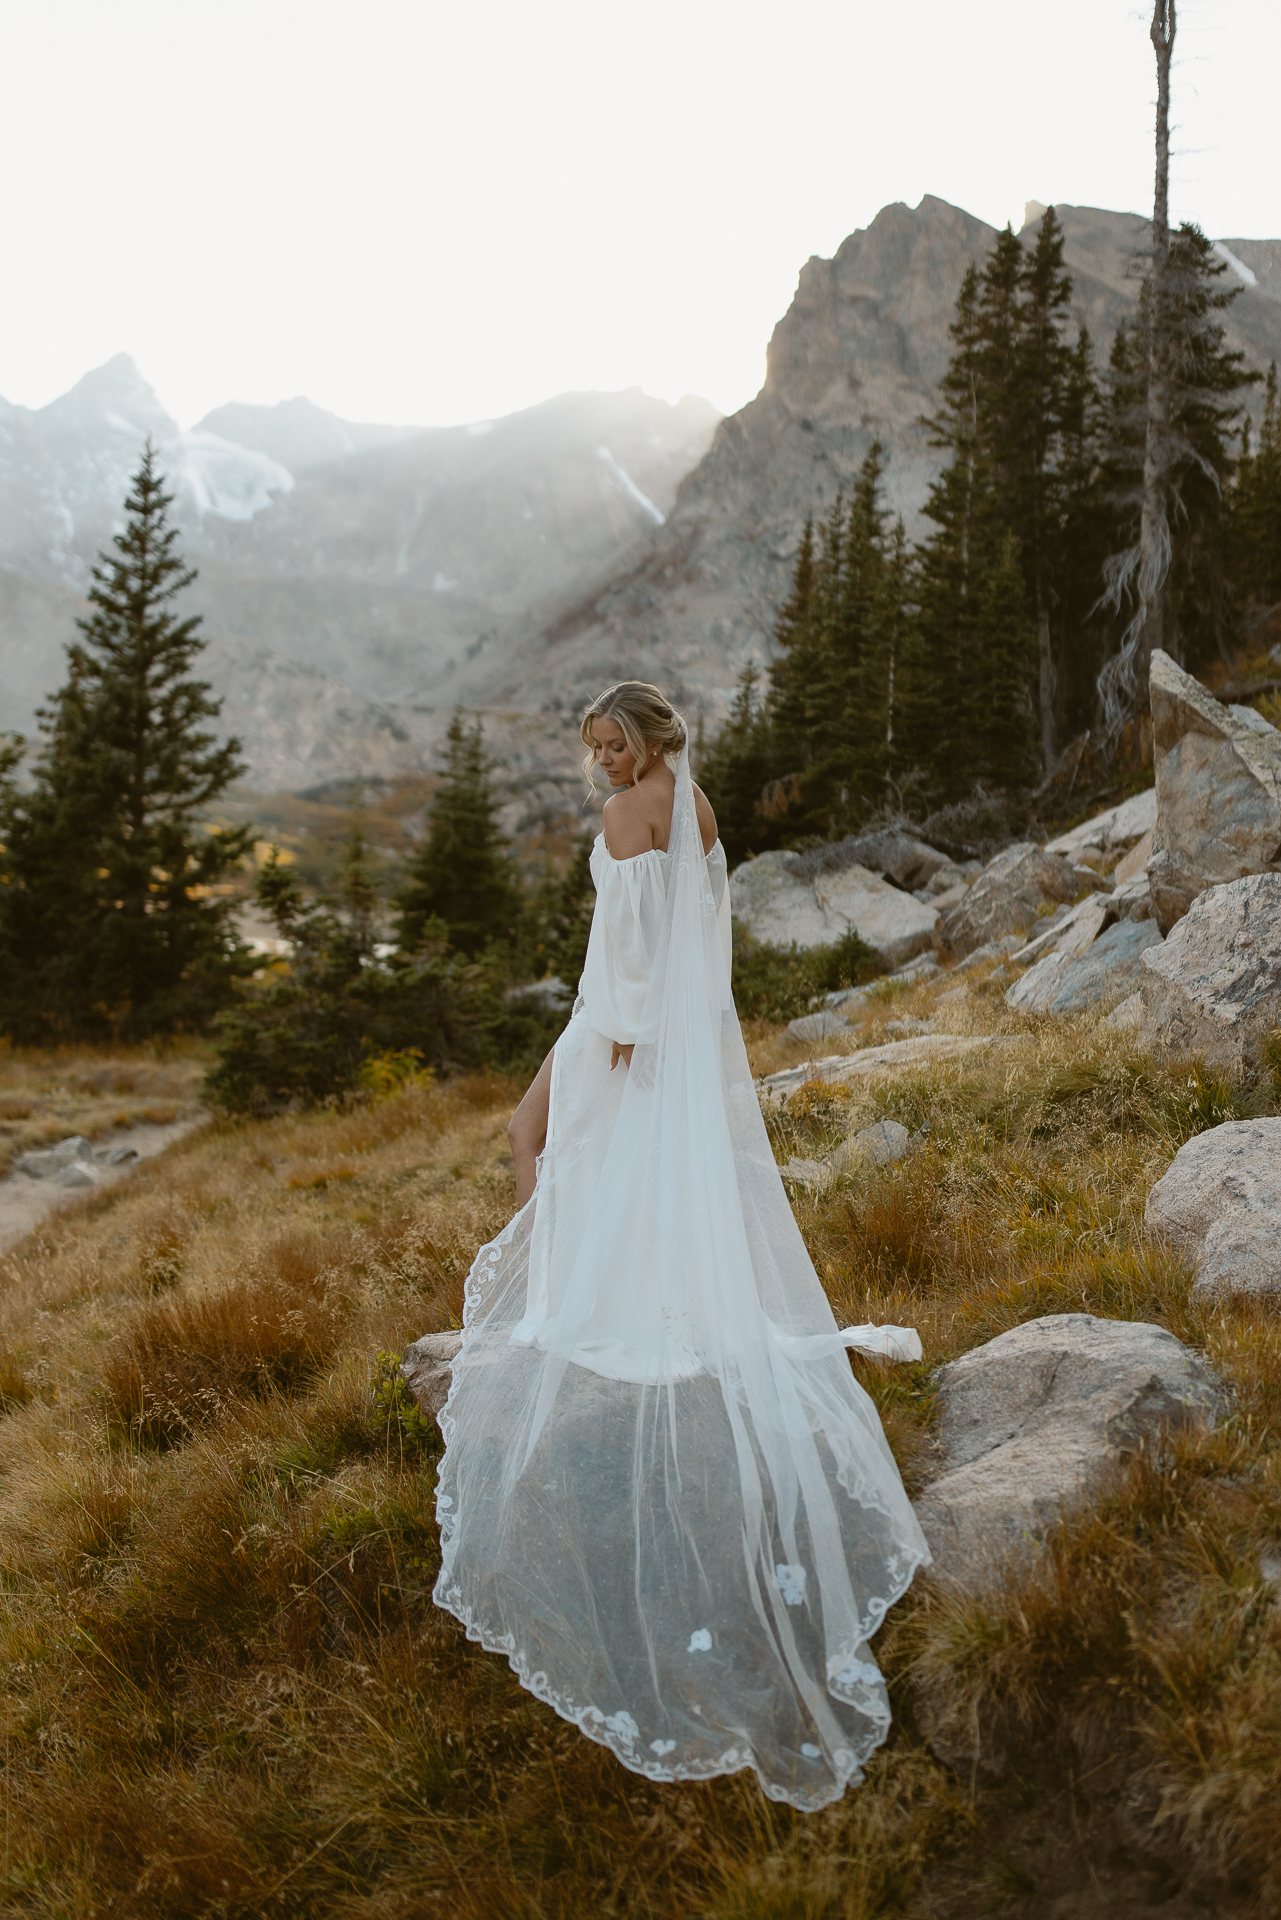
(337, 561)
(856, 358)
(358, 581)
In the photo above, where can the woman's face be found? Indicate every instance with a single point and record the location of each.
(613, 755)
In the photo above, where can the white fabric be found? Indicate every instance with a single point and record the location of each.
(664, 1496)
(631, 901)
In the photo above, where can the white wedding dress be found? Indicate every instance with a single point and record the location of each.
(663, 1495)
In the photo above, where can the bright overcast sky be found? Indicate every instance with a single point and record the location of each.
(413, 211)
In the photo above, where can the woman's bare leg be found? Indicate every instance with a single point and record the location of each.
(527, 1129)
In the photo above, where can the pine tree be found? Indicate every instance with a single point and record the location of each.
(1254, 509)
(1188, 610)
(1002, 716)
(108, 919)
(462, 876)
(739, 767)
(1043, 391)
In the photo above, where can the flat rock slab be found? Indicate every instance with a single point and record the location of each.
(1007, 897)
(817, 1026)
(1109, 969)
(1071, 930)
(895, 1057)
(1218, 789)
(1214, 987)
(1029, 1422)
(1120, 826)
(782, 901)
(1219, 1202)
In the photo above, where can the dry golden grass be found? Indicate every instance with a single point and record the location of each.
(227, 1691)
(48, 1093)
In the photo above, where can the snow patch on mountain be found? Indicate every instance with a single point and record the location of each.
(1238, 267)
(232, 482)
(628, 487)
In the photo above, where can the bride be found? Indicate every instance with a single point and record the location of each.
(663, 1495)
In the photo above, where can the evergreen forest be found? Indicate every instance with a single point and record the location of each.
(909, 679)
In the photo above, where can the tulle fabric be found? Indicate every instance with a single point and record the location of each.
(664, 1496)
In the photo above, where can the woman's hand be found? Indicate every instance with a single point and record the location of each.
(620, 1052)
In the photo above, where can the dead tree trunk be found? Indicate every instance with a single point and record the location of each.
(1154, 534)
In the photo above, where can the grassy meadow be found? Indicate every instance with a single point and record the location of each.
(227, 1692)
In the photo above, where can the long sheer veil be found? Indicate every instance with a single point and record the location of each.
(664, 1496)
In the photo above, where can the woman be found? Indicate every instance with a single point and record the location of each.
(663, 1495)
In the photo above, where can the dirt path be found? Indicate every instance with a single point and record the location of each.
(25, 1202)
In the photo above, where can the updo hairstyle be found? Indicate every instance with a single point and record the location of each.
(645, 716)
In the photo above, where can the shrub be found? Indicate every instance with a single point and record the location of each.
(779, 983)
(343, 1017)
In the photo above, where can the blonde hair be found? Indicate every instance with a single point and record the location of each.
(644, 715)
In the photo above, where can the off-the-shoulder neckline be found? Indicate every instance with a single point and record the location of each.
(660, 852)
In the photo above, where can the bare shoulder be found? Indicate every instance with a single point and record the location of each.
(706, 819)
(626, 819)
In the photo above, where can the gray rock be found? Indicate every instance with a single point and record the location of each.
(780, 902)
(817, 1026)
(901, 1029)
(1127, 1017)
(876, 1146)
(952, 897)
(427, 1369)
(990, 950)
(1071, 930)
(1135, 862)
(898, 855)
(1120, 826)
(1110, 969)
(851, 998)
(1218, 785)
(1219, 1202)
(78, 1174)
(923, 967)
(1006, 897)
(895, 1056)
(893, 924)
(1214, 987)
(1029, 1422)
(1132, 898)
(48, 1163)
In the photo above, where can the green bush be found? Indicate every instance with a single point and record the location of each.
(315, 1029)
(780, 983)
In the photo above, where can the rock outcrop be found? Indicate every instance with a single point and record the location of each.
(427, 1369)
(1219, 1202)
(1214, 987)
(1030, 1421)
(1118, 828)
(897, 1056)
(1218, 788)
(1070, 979)
(781, 901)
(1006, 897)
